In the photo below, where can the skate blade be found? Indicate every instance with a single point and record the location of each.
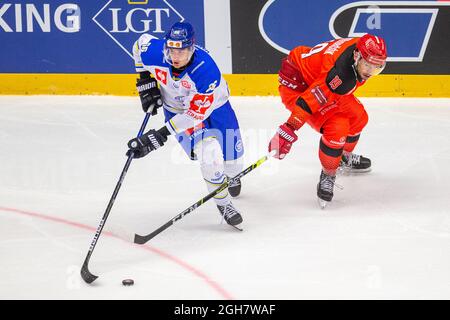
(350, 172)
(237, 227)
(322, 203)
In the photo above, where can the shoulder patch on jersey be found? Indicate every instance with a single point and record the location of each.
(212, 86)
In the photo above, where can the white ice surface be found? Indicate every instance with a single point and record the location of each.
(385, 236)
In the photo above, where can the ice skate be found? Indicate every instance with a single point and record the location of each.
(353, 164)
(234, 187)
(325, 189)
(231, 215)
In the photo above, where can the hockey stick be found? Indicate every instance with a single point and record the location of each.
(143, 239)
(85, 274)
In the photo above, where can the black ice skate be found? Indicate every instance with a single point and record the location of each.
(234, 187)
(231, 215)
(354, 163)
(325, 189)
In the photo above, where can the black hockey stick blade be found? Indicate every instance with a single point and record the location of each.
(143, 239)
(87, 276)
(139, 239)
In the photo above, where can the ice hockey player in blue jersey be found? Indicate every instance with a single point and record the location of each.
(183, 78)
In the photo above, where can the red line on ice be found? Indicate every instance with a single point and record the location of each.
(211, 283)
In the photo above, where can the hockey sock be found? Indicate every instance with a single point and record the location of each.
(350, 143)
(210, 156)
(233, 167)
(329, 157)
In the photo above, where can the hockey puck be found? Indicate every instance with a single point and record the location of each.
(128, 282)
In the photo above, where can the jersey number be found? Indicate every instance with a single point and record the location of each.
(316, 49)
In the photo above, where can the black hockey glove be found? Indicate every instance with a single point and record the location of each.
(149, 141)
(149, 94)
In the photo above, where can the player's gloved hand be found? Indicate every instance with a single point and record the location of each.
(150, 94)
(139, 153)
(282, 141)
(149, 141)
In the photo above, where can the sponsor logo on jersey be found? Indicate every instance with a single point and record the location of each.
(319, 95)
(200, 103)
(324, 110)
(338, 143)
(161, 76)
(185, 84)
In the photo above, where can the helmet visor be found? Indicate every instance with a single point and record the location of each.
(177, 56)
(370, 68)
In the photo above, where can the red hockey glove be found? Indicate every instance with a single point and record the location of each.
(282, 141)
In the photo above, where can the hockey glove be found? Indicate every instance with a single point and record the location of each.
(282, 141)
(150, 94)
(149, 141)
(139, 153)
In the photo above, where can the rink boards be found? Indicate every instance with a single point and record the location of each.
(240, 85)
(59, 47)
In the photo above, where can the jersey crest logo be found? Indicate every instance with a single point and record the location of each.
(336, 82)
(161, 76)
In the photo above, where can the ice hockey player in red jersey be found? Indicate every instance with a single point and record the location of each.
(317, 85)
